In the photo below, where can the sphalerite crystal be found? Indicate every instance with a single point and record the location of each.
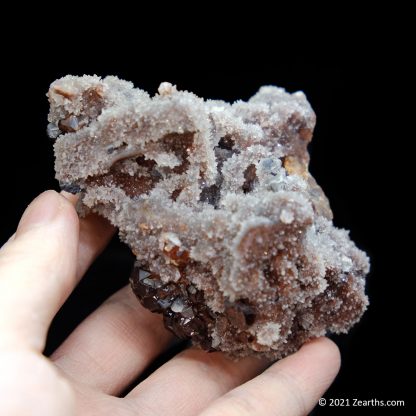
(233, 237)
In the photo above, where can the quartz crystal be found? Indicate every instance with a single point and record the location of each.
(233, 237)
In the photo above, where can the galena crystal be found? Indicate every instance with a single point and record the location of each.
(233, 237)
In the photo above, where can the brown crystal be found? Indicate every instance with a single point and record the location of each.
(184, 311)
(62, 92)
(177, 255)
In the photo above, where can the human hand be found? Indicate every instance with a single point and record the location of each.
(39, 267)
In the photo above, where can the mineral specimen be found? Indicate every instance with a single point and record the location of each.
(233, 237)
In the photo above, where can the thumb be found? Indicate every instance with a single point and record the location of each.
(37, 269)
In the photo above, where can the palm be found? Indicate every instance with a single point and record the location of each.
(110, 349)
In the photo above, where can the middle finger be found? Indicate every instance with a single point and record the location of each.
(113, 345)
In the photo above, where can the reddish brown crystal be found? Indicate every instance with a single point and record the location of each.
(183, 307)
(178, 256)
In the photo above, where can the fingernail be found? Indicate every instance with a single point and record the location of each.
(41, 211)
(70, 197)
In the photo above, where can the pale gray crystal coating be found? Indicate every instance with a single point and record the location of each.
(233, 237)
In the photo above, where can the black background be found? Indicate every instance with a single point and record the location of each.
(357, 156)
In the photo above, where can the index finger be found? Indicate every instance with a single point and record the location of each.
(41, 265)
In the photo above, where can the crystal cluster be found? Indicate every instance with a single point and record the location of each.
(233, 237)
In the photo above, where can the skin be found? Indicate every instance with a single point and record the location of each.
(40, 266)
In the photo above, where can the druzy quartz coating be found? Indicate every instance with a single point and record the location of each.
(233, 237)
